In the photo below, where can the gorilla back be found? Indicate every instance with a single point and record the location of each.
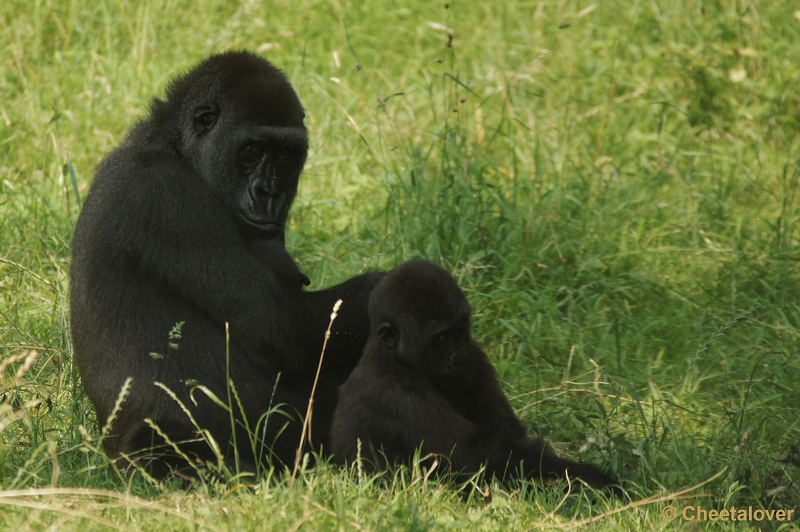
(182, 233)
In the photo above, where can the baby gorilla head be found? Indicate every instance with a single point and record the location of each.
(419, 316)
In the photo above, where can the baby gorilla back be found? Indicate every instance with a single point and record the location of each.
(423, 382)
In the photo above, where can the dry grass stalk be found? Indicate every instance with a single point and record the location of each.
(310, 410)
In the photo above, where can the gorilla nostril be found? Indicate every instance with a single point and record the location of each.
(262, 189)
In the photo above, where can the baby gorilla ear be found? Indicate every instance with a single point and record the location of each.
(205, 117)
(389, 335)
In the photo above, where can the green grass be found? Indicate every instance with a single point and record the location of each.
(616, 197)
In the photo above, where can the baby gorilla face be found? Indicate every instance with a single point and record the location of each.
(444, 355)
(453, 349)
(422, 320)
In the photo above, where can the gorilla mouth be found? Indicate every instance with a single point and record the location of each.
(265, 226)
(263, 211)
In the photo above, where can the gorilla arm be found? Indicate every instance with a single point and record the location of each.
(514, 451)
(499, 442)
(173, 231)
(481, 400)
(395, 410)
(351, 328)
(166, 229)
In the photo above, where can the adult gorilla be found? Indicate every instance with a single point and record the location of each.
(183, 232)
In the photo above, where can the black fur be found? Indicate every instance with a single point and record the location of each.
(184, 223)
(423, 381)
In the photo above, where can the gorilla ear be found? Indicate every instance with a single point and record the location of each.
(205, 117)
(388, 335)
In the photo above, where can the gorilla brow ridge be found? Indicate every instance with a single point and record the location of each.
(277, 134)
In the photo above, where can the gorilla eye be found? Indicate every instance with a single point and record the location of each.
(440, 340)
(250, 150)
(284, 152)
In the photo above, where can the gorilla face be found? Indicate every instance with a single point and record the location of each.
(252, 150)
(455, 352)
(268, 166)
(426, 326)
(441, 352)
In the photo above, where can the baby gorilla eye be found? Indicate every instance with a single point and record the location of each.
(250, 150)
(440, 341)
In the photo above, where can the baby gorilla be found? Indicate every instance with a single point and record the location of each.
(423, 381)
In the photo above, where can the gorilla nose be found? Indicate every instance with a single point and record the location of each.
(458, 361)
(263, 187)
(462, 363)
(267, 197)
